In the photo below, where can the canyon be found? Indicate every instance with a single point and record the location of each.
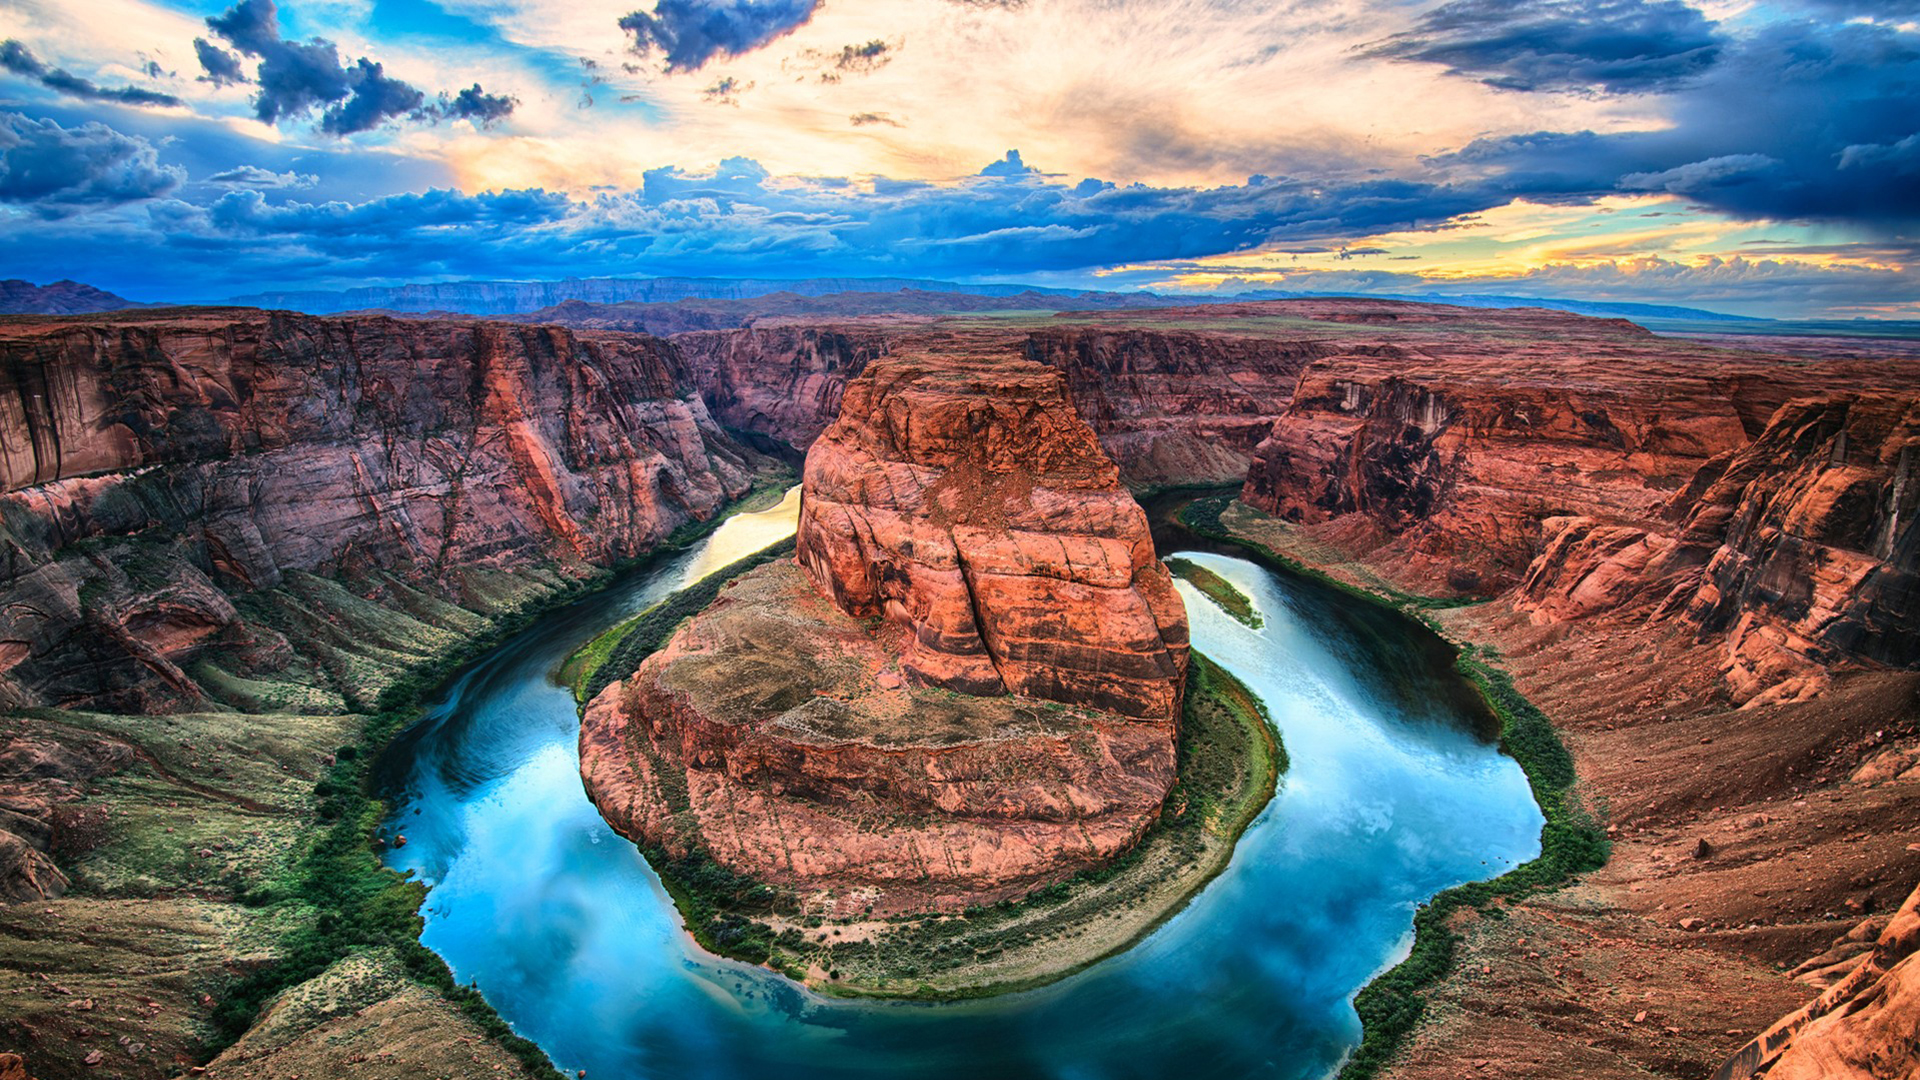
(1700, 562)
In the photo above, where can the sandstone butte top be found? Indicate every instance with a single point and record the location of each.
(965, 500)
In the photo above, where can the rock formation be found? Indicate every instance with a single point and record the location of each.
(155, 466)
(966, 687)
(1861, 1027)
(966, 502)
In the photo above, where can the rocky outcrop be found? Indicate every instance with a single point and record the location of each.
(155, 467)
(968, 503)
(1462, 471)
(781, 383)
(1860, 1028)
(1819, 555)
(1179, 407)
(37, 776)
(1798, 550)
(784, 740)
(965, 688)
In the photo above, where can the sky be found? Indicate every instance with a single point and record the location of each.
(1752, 158)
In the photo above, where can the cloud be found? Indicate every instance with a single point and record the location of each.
(61, 170)
(252, 176)
(16, 58)
(298, 79)
(1829, 106)
(690, 33)
(1011, 165)
(222, 67)
(1621, 46)
(1902, 156)
(727, 91)
(1700, 176)
(474, 104)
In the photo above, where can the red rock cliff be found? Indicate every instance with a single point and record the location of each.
(966, 501)
(155, 464)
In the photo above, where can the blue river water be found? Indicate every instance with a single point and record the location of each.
(1390, 798)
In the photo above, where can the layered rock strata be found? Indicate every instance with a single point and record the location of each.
(964, 688)
(1169, 406)
(156, 467)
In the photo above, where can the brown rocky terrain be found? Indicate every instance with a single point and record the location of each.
(967, 688)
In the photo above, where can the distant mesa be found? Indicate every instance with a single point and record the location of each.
(19, 297)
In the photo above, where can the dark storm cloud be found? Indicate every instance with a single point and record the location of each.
(300, 78)
(60, 170)
(689, 33)
(478, 106)
(1621, 46)
(1799, 121)
(222, 67)
(16, 58)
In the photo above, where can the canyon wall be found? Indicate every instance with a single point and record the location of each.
(1170, 406)
(1603, 475)
(157, 469)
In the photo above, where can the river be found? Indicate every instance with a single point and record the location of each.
(1391, 797)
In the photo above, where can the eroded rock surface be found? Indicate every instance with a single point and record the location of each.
(967, 502)
(965, 687)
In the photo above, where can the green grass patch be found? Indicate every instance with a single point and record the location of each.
(1217, 589)
(1572, 841)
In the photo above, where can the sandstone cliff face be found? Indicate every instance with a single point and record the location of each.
(967, 502)
(1169, 406)
(155, 467)
(1464, 470)
(1819, 559)
(1174, 406)
(960, 530)
(779, 737)
(782, 383)
(1798, 550)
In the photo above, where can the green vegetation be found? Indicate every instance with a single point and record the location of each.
(616, 653)
(1217, 589)
(1571, 841)
(1229, 762)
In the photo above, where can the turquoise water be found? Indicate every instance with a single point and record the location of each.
(1391, 797)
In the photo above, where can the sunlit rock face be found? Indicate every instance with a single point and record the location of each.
(965, 686)
(967, 502)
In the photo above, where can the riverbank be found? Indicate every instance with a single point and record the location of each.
(1572, 841)
(1667, 959)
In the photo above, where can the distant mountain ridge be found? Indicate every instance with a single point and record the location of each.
(523, 297)
(19, 297)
